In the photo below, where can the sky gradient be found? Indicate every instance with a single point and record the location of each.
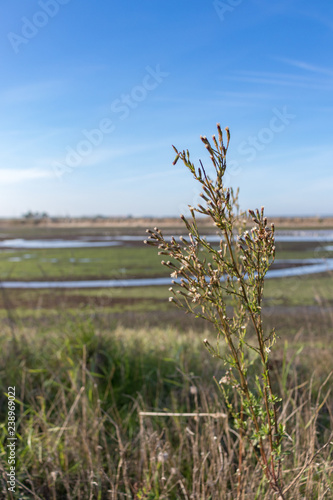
(93, 95)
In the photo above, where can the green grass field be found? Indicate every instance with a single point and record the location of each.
(80, 263)
(105, 263)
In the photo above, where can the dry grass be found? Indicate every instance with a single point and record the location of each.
(79, 431)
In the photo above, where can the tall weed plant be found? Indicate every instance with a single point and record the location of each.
(207, 280)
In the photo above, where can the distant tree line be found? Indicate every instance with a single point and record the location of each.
(35, 215)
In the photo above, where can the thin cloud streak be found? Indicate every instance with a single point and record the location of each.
(281, 79)
(15, 176)
(306, 66)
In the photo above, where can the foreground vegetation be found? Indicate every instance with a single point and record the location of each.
(86, 364)
(81, 386)
(83, 376)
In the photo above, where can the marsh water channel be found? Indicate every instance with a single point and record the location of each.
(283, 267)
(288, 236)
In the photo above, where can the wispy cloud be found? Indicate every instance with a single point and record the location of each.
(324, 20)
(306, 66)
(14, 176)
(281, 79)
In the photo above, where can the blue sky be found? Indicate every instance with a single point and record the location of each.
(93, 95)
